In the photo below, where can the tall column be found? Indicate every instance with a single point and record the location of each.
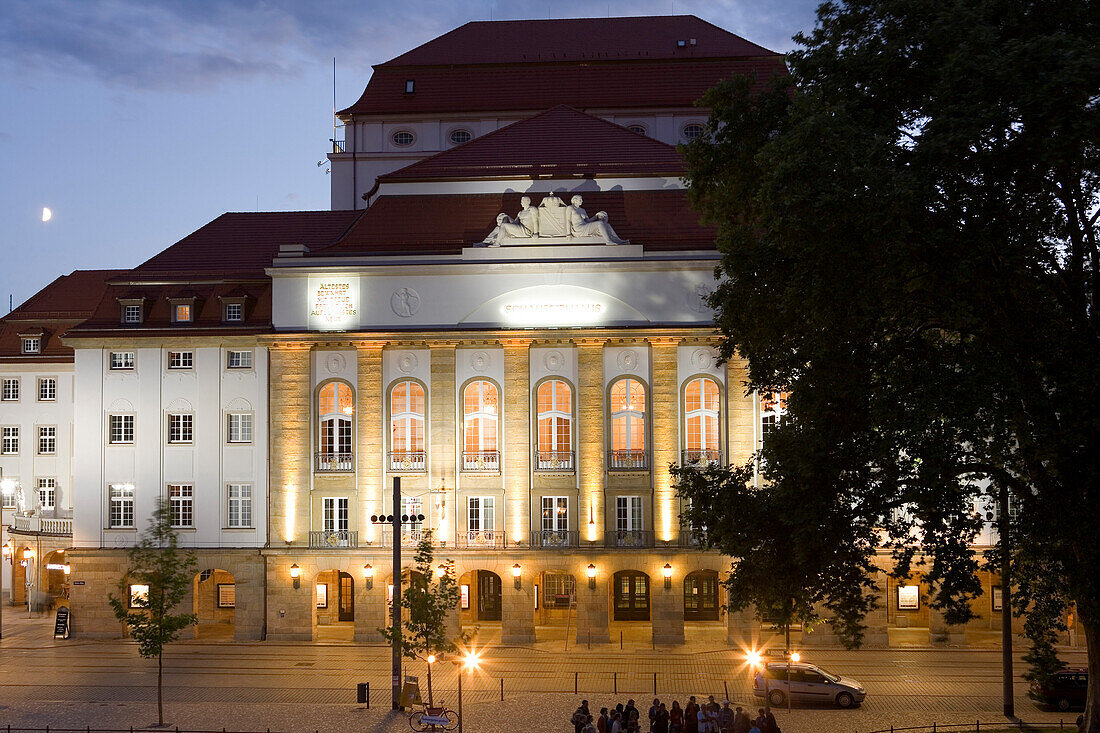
(941, 633)
(444, 429)
(289, 448)
(593, 625)
(666, 398)
(590, 440)
(370, 604)
(371, 448)
(517, 610)
(740, 413)
(667, 612)
(517, 439)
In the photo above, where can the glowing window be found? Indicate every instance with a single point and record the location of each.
(701, 406)
(335, 407)
(628, 415)
(407, 417)
(480, 417)
(555, 417)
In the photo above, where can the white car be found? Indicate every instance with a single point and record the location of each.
(808, 683)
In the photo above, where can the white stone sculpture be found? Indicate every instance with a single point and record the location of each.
(523, 226)
(552, 217)
(552, 223)
(580, 225)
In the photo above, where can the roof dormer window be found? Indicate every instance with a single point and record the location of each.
(183, 309)
(233, 307)
(32, 344)
(132, 310)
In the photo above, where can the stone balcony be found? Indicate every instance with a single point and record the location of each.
(53, 526)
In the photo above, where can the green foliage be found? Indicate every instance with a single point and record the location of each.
(156, 561)
(908, 229)
(427, 599)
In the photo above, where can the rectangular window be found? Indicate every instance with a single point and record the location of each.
(122, 360)
(131, 314)
(335, 515)
(10, 392)
(239, 360)
(47, 440)
(628, 513)
(997, 596)
(120, 429)
(139, 596)
(239, 427)
(181, 359)
(322, 595)
(908, 597)
(181, 505)
(234, 312)
(413, 508)
(8, 500)
(47, 492)
(181, 428)
(240, 505)
(32, 345)
(555, 513)
(480, 517)
(9, 445)
(227, 595)
(122, 505)
(559, 590)
(182, 313)
(47, 389)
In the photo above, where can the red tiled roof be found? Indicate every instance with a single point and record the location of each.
(572, 39)
(590, 85)
(242, 244)
(426, 224)
(562, 141)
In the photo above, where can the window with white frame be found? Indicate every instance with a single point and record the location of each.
(122, 360)
(238, 359)
(555, 514)
(47, 389)
(773, 405)
(480, 517)
(555, 418)
(692, 131)
(47, 492)
(234, 312)
(240, 505)
(628, 418)
(120, 429)
(459, 136)
(181, 359)
(182, 312)
(47, 440)
(131, 313)
(239, 427)
(335, 407)
(181, 505)
(10, 390)
(412, 507)
(32, 345)
(701, 408)
(7, 500)
(121, 510)
(480, 417)
(407, 422)
(628, 513)
(334, 514)
(181, 428)
(9, 440)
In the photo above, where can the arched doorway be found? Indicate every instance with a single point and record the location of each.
(631, 595)
(214, 602)
(334, 605)
(54, 579)
(701, 596)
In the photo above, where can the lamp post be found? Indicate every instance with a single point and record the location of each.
(5, 552)
(431, 661)
(7, 486)
(755, 661)
(28, 557)
(791, 657)
(517, 572)
(470, 662)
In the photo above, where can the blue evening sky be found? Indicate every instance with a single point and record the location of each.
(137, 121)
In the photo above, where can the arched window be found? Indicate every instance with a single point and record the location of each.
(555, 426)
(701, 407)
(407, 426)
(479, 426)
(628, 448)
(335, 410)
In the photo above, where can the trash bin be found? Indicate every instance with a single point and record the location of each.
(361, 692)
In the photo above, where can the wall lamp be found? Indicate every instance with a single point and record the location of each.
(516, 571)
(667, 570)
(295, 573)
(591, 570)
(368, 576)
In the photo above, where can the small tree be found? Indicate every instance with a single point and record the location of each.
(427, 600)
(157, 562)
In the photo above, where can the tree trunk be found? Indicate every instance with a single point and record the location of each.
(1092, 644)
(160, 699)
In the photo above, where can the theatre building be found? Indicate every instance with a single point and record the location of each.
(505, 309)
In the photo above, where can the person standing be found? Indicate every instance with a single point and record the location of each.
(772, 725)
(676, 718)
(630, 711)
(725, 718)
(660, 724)
(691, 721)
(602, 722)
(580, 717)
(653, 713)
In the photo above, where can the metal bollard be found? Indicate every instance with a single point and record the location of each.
(574, 683)
(655, 683)
(502, 689)
(726, 687)
(616, 679)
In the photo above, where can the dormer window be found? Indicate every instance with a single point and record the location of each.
(183, 310)
(32, 344)
(133, 311)
(234, 312)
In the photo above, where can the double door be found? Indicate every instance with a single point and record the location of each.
(488, 596)
(631, 595)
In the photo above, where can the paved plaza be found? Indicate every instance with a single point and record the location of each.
(311, 686)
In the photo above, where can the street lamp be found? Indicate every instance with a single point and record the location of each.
(28, 557)
(295, 574)
(368, 576)
(667, 570)
(431, 661)
(791, 657)
(469, 661)
(755, 660)
(516, 575)
(4, 553)
(591, 570)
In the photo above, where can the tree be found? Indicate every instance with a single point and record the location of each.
(909, 246)
(157, 563)
(429, 597)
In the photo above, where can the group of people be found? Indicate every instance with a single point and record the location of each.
(709, 717)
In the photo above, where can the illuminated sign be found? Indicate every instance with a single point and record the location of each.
(333, 303)
(544, 313)
(908, 597)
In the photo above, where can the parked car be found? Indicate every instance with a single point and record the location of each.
(808, 683)
(1066, 691)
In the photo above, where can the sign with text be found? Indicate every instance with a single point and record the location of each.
(333, 303)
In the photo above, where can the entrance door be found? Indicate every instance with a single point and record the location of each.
(631, 596)
(701, 596)
(488, 596)
(347, 598)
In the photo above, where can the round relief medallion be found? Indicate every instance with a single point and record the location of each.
(406, 362)
(627, 359)
(479, 361)
(554, 361)
(697, 298)
(405, 302)
(121, 540)
(702, 358)
(335, 363)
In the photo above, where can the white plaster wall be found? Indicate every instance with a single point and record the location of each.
(632, 360)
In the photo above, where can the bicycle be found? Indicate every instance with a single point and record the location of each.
(437, 717)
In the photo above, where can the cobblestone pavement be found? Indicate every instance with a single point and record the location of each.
(311, 686)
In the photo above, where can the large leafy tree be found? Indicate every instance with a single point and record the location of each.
(908, 228)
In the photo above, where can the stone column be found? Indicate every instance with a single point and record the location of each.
(666, 440)
(444, 427)
(517, 439)
(517, 611)
(590, 443)
(290, 610)
(289, 451)
(371, 438)
(248, 611)
(740, 419)
(370, 606)
(667, 608)
(941, 633)
(592, 610)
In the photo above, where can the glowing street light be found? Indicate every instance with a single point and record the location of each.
(368, 576)
(470, 661)
(517, 575)
(295, 574)
(591, 570)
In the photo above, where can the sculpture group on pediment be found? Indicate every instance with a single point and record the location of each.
(551, 222)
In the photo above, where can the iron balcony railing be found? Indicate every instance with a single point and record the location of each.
(554, 460)
(325, 462)
(628, 460)
(408, 460)
(478, 538)
(410, 537)
(696, 455)
(332, 540)
(629, 538)
(551, 538)
(481, 460)
(338, 146)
